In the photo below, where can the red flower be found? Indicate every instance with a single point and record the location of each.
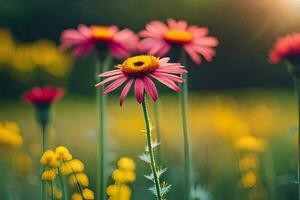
(43, 96)
(286, 48)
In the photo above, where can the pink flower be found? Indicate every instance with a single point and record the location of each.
(160, 37)
(286, 48)
(84, 39)
(140, 70)
(43, 96)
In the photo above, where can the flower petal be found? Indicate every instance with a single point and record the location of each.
(114, 85)
(166, 82)
(110, 73)
(194, 56)
(112, 78)
(125, 91)
(139, 90)
(150, 88)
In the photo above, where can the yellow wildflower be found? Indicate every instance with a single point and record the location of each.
(247, 162)
(87, 193)
(248, 179)
(50, 158)
(73, 165)
(123, 176)
(7, 46)
(63, 153)
(118, 192)
(126, 164)
(10, 135)
(250, 143)
(49, 175)
(82, 179)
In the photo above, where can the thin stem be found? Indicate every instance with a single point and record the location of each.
(43, 185)
(77, 182)
(52, 191)
(157, 128)
(63, 185)
(188, 182)
(101, 104)
(297, 86)
(150, 149)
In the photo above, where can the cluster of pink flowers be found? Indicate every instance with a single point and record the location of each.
(157, 40)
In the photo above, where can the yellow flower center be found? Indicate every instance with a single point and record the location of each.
(102, 33)
(178, 36)
(139, 64)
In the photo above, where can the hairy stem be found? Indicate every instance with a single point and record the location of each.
(157, 128)
(150, 149)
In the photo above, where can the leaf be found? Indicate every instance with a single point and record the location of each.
(153, 190)
(154, 145)
(165, 188)
(145, 157)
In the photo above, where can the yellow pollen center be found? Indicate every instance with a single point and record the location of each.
(139, 64)
(178, 36)
(102, 33)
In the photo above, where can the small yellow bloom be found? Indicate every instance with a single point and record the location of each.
(123, 176)
(250, 143)
(118, 192)
(50, 158)
(58, 194)
(247, 162)
(73, 165)
(49, 175)
(87, 193)
(63, 153)
(82, 179)
(10, 135)
(248, 179)
(126, 164)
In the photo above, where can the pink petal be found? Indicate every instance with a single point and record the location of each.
(182, 25)
(207, 52)
(164, 60)
(166, 82)
(172, 23)
(112, 78)
(160, 25)
(114, 85)
(194, 56)
(150, 88)
(110, 73)
(206, 41)
(139, 90)
(172, 71)
(170, 76)
(125, 91)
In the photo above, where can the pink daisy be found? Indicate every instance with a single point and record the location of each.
(160, 37)
(286, 48)
(84, 39)
(139, 70)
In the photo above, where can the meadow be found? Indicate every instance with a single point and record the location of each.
(218, 119)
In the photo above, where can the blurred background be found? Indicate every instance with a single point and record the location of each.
(238, 94)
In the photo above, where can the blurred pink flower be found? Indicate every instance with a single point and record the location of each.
(43, 96)
(140, 70)
(84, 39)
(287, 47)
(160, 37)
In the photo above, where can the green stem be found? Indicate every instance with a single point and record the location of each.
(101, 104)
(297, 86)
(188, 182)
(44, 143)
(52, 191)
(63, 185)
(157, 128)
(150, 149)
